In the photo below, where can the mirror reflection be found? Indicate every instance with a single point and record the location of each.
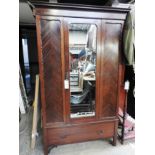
(82, 63)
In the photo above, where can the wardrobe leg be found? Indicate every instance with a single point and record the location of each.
(114, 142)
(45, 141)
(115, 134)
(51, 147)
(45, 150)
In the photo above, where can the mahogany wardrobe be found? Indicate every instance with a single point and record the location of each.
(81, 71)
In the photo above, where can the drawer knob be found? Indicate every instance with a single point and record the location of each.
(63, 136)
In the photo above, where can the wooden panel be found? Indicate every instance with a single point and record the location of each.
(52, 69)
(36, 113)
(109, 68)
(80, 14)
(65, 10)
(121, 83)
(80, 133)
(66, 70)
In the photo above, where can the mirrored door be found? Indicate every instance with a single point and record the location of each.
(82, 69)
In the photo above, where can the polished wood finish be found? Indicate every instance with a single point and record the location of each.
(83, 132)
(52, 69)
(109, 68)
(52, 22)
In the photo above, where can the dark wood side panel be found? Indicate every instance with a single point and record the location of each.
(52, 69)
(121, 83)
(109, 68)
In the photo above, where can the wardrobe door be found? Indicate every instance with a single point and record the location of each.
(111, 31)
(51, 69)
(83, 65)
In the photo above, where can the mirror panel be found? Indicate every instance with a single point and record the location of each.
(82, 67)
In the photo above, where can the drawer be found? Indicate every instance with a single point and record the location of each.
(80, 133)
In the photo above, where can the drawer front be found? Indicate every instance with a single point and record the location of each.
(80, 133)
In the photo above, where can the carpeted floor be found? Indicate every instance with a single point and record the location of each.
(98, 147)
